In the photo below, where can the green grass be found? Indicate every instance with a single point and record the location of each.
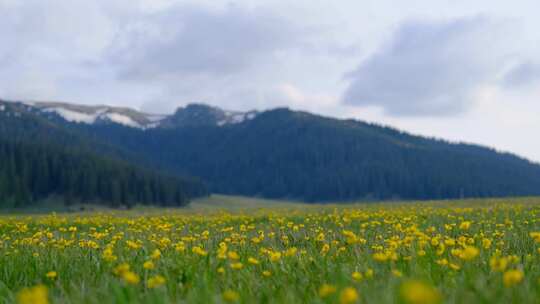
(303, 247)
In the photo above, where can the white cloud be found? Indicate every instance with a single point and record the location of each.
(429, 68)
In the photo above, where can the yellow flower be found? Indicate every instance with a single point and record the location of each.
(230, 296)
(33, 295)
(237, 266)
(357, 276)
(416, 292)
(348, 295)
(155, 255)
(498, 264)
(535, 236)
(397, 273)
(486, 243)
(325, 248)
(369, 273)
(253, 261)
(149, 265)
(108, 255)
(326, 290)
(233, 255)
(442, 262)
(440, 249)
(465, 225)
(275, 256)
(291, 252)
(221, 270)
(51, 275)
(131, 278)
(120, 269)
(469, 253)
(266, 273)
(199, 251)
(512, 277)
(380, 257)
(155, 281)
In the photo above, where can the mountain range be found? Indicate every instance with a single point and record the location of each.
(278, 153)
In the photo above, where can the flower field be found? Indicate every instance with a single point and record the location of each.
(440, 252)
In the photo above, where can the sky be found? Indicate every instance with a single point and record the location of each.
(461, 70)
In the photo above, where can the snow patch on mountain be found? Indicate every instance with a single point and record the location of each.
(231, 117)
(122, 119)
(73, 116)
(192, 114)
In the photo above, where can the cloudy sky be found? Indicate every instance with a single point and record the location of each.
(457, 69)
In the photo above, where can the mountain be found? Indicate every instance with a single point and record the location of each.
(282, 153)
(41, 159)
(191, 115)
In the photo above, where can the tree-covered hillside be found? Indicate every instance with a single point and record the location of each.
(287, 154)
(30, 172)
(41, 158)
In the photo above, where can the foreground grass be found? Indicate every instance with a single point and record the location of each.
(457, 252)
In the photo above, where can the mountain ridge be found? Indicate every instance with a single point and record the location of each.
(184, 116)
(281, 153)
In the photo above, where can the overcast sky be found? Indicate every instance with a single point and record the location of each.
(459, 70)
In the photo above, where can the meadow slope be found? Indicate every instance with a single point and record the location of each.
(224, 249)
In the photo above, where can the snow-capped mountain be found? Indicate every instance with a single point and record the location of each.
(192, 114)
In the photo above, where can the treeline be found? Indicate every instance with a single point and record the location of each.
(287, 154)
(33, 172)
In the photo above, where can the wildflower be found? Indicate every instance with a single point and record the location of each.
(120, 269)
(148, 265)
(465, 225)
(486, 243)
(357, 276)
(442, 262)
(397, 273)
(155, 255)
(230, 296)
(51, 275)
(469, 253)
(498, 264)
(253, 261)
(369, 273)
(233, 255)
(348, 295)
(33, 295)
(108, 255)
(237, 266)
(326, 290)
(325, 248)
(380, 257)
(535, 236)
(221, 270)
(512, 277)
(199, 251)
(416, 292)
(266, 273)
(130, 278)
(155, 281)
(291, 252)
(440, 249)
(275, 256)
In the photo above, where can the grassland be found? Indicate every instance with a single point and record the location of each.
(230, 249)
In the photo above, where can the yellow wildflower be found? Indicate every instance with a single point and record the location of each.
(348, 295)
